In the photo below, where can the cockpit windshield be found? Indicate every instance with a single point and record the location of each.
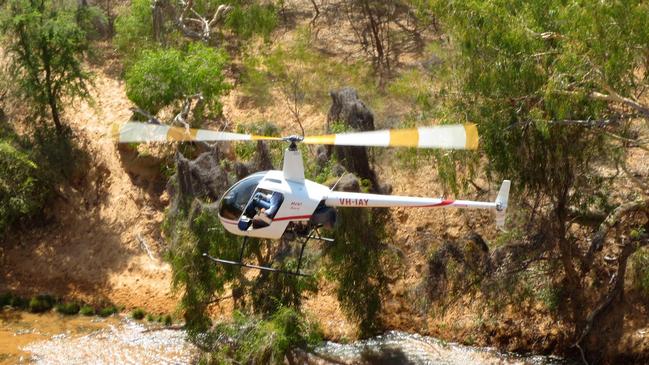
(236, 198)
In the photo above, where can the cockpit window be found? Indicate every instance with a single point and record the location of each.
(235, 199)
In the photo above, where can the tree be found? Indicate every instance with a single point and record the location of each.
(166, 77)
(46, 46)
(172, 23)
(556, 95)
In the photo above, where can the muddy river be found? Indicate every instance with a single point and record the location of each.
(27, 338)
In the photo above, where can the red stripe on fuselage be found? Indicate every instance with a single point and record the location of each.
(440, 204)
(295, 217)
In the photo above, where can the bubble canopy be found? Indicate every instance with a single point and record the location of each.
(234, 200)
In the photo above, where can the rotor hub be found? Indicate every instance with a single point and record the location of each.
(294, 139)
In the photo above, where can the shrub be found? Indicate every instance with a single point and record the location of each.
(108, 311)
(20, 192)
(167, 320)
(138, 314)
(67, 308)
(640, 267)
(41, 303)
(262, 341)
(163, 77)
(12, 300)
(150, 317)
(87, 310)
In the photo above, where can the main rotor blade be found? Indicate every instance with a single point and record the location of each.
(453, 136)
(147, 132)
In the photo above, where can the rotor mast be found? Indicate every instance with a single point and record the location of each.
(293, 167)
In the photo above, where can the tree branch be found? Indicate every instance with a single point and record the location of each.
(616, 98)
(612, 220)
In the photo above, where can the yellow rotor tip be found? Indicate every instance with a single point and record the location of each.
(471, 131)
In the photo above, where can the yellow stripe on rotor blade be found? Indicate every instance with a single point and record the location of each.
(471, 131)
(178, 134)
(324, 139)
(404, 137)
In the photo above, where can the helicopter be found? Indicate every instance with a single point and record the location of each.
(284, 204)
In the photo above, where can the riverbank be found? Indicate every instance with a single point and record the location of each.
(53, 338)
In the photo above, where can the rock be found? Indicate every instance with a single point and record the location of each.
(349, 183)
(348, 109)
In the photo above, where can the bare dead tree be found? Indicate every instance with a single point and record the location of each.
(204, 24)
(293, 97)
(192, 24)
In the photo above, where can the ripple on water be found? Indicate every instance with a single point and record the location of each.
(403, 348)
(128, 342)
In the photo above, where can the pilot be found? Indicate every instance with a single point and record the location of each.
(268, 205)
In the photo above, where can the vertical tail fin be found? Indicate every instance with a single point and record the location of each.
(501, 203)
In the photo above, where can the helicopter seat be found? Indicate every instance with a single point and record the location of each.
(268, 205)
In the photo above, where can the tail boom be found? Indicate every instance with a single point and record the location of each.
(345, 199)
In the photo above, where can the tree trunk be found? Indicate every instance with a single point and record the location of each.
(51, 93)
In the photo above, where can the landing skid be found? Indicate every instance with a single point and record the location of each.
(256, 267)
(314, 234)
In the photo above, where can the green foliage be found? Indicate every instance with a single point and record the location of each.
(167, 320)
(108, 311)
(303, 74)
(551, 296)
(13, 300)
(67, 308)
(253, 340)
(245, 151)
(199, 278)
(87, 310)
(29, 171)
(138, 314)
(356, 262)
(134, 29)
(41, 303)
(521, 70)
(46, 46)
(254, 19)
(164, 77)
(640, 273)
(20, 193)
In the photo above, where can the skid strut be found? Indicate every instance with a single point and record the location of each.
(240, 263)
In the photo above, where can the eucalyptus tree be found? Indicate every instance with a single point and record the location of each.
(46, 47)
(556, 88)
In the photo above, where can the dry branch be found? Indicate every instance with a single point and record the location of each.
(206, 25)
(612, 220)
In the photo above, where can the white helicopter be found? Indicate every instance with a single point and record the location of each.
(278, 203)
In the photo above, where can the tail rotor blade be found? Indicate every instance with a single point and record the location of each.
(456, 136)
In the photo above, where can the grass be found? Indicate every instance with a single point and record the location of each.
(67, 308)
(108, 311)
(41, 303)
(12, 300)
(87, 310)
(138, 314)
